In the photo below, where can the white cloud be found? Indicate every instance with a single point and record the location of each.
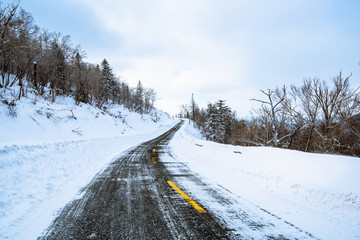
(223, 49)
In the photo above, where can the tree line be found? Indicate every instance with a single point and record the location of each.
(50, 65)
(315, 117)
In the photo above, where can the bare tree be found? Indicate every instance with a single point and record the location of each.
(273, 116)
(8, 25)
(308, 109)
(326, 112)
(149, 99)
(27, 49)
(184, 111)
(337, 105)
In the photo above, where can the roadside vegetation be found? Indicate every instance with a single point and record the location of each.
(315, 117)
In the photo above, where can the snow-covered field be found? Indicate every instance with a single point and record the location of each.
(318, 193)
(50, 151)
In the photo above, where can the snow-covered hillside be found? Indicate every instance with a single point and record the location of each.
(50, 150)
(318, 193)
(39, 121)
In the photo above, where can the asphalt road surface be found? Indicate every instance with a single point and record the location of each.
(137, 197)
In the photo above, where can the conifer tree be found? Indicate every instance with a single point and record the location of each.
(210, 124)
(107, 75)
(60, 65)
(218, 123)
(112, 86)
(223, 121)
(139, 93)
(81, 93)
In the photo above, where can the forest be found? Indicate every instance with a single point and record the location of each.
(315, 117)
(48, 64)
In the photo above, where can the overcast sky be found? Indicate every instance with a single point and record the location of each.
(216, 49)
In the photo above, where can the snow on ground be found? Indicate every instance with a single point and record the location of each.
(319, 193)
(50, 150)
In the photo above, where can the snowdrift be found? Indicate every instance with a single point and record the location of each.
(316, 192)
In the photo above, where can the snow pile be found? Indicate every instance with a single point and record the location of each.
(50, 150)
(319, 193)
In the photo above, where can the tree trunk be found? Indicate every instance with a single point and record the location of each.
(309, 138)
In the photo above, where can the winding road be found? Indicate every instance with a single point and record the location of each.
(138, 196)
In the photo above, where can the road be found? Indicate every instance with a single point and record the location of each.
(140, 197)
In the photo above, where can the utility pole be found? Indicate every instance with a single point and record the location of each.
(193, 108)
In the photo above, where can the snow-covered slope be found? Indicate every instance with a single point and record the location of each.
(319, 193)
(39, 121)
(50, 150)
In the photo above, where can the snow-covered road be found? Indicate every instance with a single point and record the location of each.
(141, 196)
(132, 200)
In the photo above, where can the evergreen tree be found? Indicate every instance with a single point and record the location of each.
(218, 124)
(210, 124)
(112, 86)
(126, 96)
(223, 121)
(60, 65)
(107, 75)
(139, 94)
(81, 92)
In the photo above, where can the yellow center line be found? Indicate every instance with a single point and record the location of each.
(187, 198)
(153, 160)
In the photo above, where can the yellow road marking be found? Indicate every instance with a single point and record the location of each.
(157, 145)
(187, 198)
(154, 150)
(153, 159)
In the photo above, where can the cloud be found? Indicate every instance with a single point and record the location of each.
(223, 49)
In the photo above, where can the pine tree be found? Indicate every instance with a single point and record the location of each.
(112, 86)
(81, 93)
(210, 124)
(139, 94)
(218, 124)
(223, 121)
(60, 65)
(99, 86)
(126, 96)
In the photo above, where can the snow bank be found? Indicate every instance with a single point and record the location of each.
(316, 192)
(51, 150)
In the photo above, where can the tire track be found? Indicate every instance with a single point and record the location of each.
(132, 200)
